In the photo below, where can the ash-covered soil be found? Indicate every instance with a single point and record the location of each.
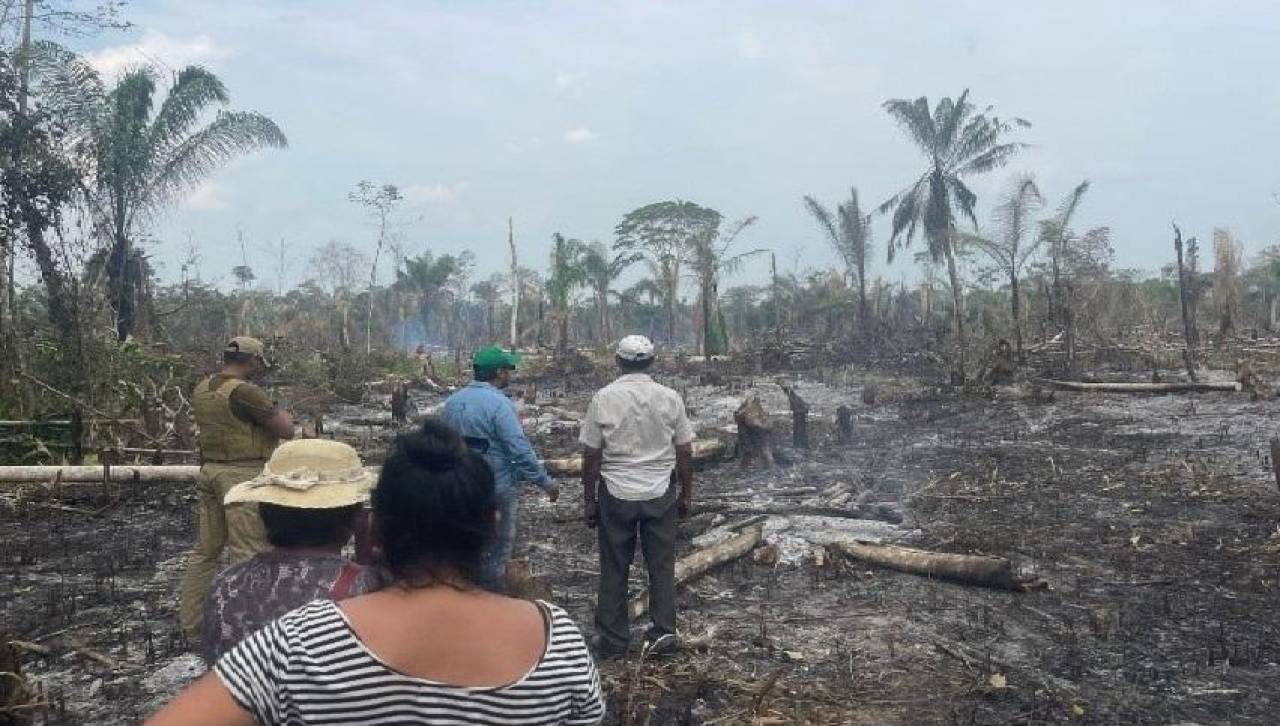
(1153, 519)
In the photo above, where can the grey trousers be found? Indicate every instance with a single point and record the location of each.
(620, 521)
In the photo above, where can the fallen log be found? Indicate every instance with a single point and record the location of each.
(82, 474)
(1139, 387)
(702, 449)
(980, 570)
(695, 565)
(878, 512)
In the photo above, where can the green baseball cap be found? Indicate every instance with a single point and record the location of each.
(494, 356)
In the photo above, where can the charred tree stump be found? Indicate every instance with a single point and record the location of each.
(1275, 459)
(799, 417)
(753, 433)
(844, 424)
(400, 402)
(1186, 295)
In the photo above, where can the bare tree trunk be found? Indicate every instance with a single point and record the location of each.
(777, 299)
(957, 298)
(515, 287)
(1188, 312)
(1015, 302)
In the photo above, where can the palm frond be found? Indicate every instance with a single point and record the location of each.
(915, 118)
(230, 134)
(194, 90)
(67, 84)
(993, 158)
(948, 118)
(965, 199)
(825, 221)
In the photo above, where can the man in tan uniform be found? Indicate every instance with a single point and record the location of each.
(239, 428)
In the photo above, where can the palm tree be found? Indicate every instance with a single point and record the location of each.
(708, 259)
(428, 278)
(958, 143)
(1007, 250)
(601, 271)
(665, 232)
(849, 232)
(567, 275)
(142, 158)
(489, 292)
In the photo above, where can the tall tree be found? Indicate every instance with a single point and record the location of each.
(601, 271)
(849, 232)
(567, 275)
(429, 278)
(380, 201)
(664, 233)
(1227, 255)
(143, 158)
(1009, 250)
(958, 142)
(709, 259)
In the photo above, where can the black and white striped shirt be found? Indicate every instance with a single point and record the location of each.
(309, 667)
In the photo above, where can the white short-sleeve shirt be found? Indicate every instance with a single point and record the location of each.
(637, 423)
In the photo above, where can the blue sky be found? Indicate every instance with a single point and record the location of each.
(565, 115)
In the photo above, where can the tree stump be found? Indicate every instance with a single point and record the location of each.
(799, 417)
(400, 402)
(844, 424)
(753, 432)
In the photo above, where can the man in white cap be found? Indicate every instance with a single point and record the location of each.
(638, 442)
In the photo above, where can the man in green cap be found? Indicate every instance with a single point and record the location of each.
(239, 426)
(487, 421)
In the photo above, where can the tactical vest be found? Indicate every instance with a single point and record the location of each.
(223, 436)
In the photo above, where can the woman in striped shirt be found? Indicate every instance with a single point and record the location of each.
(434, 649)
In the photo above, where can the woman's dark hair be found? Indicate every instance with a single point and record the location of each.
(296, 527)
(634, 366)
(434, 506)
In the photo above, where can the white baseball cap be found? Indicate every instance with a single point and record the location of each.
(635, 348)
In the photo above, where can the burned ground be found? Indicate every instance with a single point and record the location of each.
(1152, 518)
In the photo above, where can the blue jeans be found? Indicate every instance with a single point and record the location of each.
(493, 562)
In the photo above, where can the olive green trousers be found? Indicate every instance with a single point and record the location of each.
(236, 528)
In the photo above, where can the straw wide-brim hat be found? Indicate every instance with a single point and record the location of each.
(308, 474)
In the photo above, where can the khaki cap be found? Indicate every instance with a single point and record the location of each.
(245, 344)
(308, 474)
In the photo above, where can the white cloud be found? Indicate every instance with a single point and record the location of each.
(432, 193)
(159, 49)
(580, 135)
(749, 45)
(206, 197)
(566, 80)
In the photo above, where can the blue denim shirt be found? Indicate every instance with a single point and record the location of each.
(487, 419)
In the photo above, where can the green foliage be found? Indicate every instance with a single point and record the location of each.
(141, 158)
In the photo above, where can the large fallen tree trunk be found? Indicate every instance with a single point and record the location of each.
(698, 563)
(981, 570)
(879, 512)
(702, 449)
(81, 474)
(1139, 387)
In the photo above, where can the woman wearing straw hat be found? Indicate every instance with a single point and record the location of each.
(308, 495)
(432, 648)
